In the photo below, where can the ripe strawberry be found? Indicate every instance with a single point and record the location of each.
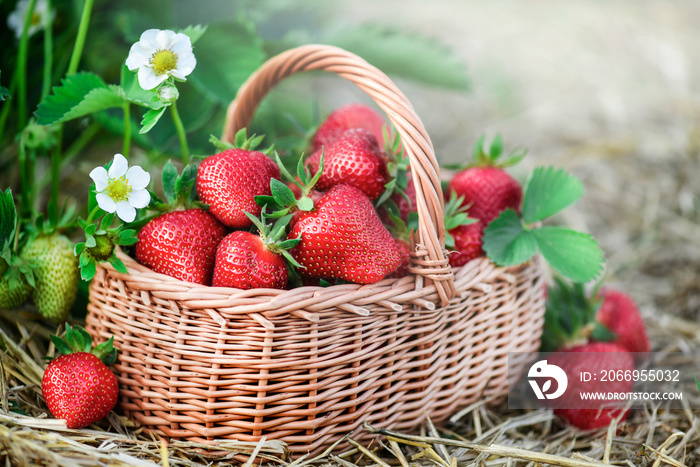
(486, 187)
(619, 313)
(245, 260)
(594, 358)
(181, 244)
(56, 274)
(342, 237)
(354, 158)
(405, 252)
(346, 118)
(467, 243)
(464, 234)
(229, 182)
(78, 386)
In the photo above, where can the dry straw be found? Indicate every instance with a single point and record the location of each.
(306, 365)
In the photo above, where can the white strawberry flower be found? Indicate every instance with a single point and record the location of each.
(160, 54)
(15, 20)
(122, 189)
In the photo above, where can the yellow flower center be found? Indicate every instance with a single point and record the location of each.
(163, 61)
(118, 189)
(36, 19)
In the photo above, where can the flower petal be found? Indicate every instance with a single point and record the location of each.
(105, 203)
(100, 177)
(164, 39)
(149, 36)
(119, 167)
(148, 80)
(126, 211)
(139, 198)
(138, 56)
(137, 178)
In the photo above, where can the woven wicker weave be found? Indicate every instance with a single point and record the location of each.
(309, 364)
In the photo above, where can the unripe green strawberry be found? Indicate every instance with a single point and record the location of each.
(56, 275)
(12, 297)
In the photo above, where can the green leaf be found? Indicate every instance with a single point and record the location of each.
(61, 345)
(150, 119)
(506, 242)
(404, 54)
(8, 219)
(170, 177)
(194, 32)
(134, 93)
(282, 194)
(227, 54)
(572, 254)
(78, 95)
(88, 271)
(118, 264)
(548, 191)
(600, 333)
(305, 203)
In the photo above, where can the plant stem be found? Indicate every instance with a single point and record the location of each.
(5, 112)
(181, 134)
(92, 215)
(48, 50)
(72, 151)
(80, 38)
(127, 129)
(22, 68)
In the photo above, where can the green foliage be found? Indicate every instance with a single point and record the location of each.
(511, 239)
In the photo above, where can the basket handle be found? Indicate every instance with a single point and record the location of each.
(429, 258)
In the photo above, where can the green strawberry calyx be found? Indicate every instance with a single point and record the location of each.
(455, 215)
(15, 271)
(570, 316)
(283, 201)
(76, 339)
(274, 235)
(100, 245)
(493, 156)
(242, 141)
(397, 167)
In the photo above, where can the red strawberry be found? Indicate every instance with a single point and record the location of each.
(619, 313)
(467, 243)
(78, 386)
(229, 182)
(181, 244)
(487, 191)
(354, 158)
(485, 185)
(594, 358)
(342, 237)
(405, 251)
(346, 118)
(243, 261)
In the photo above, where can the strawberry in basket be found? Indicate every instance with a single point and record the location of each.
(181, 242)
(345, 118)
(229, 181)
(464, 234)
(341, 235)
(485, 186)
(247, 260)
(353, 158)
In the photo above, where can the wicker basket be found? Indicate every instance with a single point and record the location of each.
(310, 364)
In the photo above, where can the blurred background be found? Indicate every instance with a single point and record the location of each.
(607, 90)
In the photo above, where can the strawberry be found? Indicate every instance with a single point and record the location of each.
(346, 118)
(575, 316)
(405, 252)
(245, 260)
(181, 244)
(464, 234)
(56, 274)
(230, 180)
(486, 187)
(619, 313)
(14, 291)
(343, 237)
(78, 386)
(595, 358)
(354, 158)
